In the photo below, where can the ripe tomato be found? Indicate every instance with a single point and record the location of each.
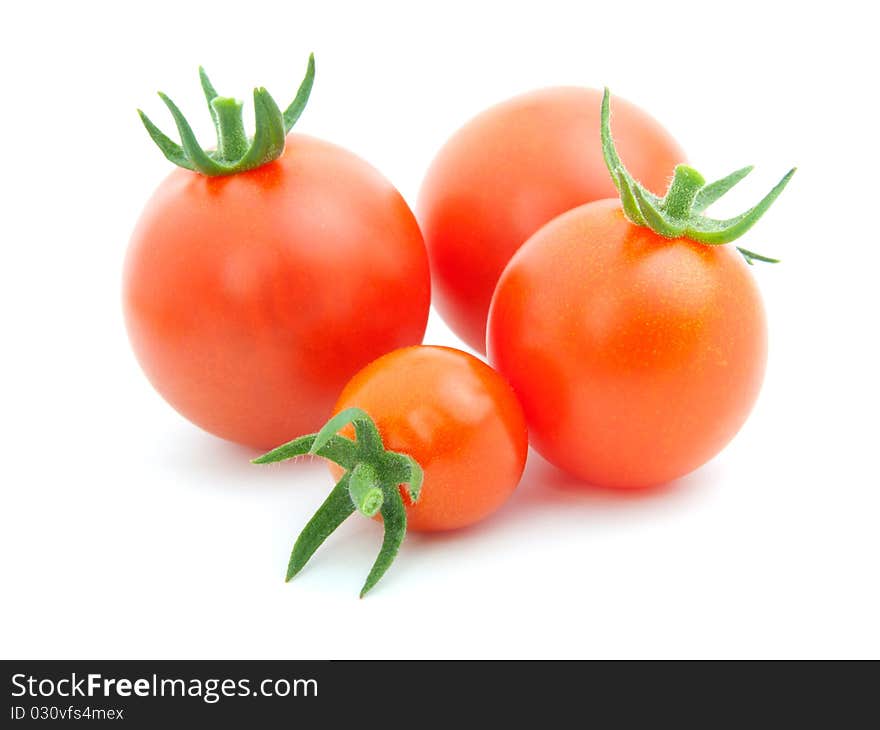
(426, 438)
(458, 418)
(251, 298)
(636, 357)
(509, 171)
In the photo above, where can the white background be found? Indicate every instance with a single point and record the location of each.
(125, 532)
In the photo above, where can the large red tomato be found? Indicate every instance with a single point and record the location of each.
(636, 358)
(251, 298)
(509, 171)
(634, 338)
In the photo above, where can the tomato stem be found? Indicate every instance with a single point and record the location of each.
(370, 485)
(365, 489)
(234, 152)
(679, 213)
(686, 183)
(232, 141)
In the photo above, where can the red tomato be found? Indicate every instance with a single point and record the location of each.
(509, 171)
(458, 418)
(636, 357)
(251, 299)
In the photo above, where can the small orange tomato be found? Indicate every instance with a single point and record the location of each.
(458, 418)
(427, 438)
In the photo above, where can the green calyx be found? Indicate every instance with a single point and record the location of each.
(679, 214)
(370, 485)
(234, 152)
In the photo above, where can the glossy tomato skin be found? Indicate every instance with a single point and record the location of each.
(251, 299)
(512, 169)
(636, 358)
(458, 418)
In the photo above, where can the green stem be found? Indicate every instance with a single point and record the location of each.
(394, 520)
(232, 141)
(371, 484)
(330, 515)
(679, 212)
(234, 153)
(686, 183)
(337, 449)
(365, 489)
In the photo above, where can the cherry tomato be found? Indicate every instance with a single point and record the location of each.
(251, 298)
(458, 418)
(636, 357)
(509, 171)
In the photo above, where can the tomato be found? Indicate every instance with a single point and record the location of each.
(458, 418)
(509, 171)
(636, 357)
(634, 337)
(425, 438)
(251, 298)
